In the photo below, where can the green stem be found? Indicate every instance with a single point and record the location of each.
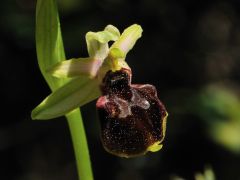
(80, 145)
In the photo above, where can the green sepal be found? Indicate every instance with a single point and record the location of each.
(97, 42)
(75, 93)
(76, 67)
(113, 30)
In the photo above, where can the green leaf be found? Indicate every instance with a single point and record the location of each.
(97, 42)
(75, 93)
(76, 67)
(50, 51)
(49, 43)
(128, 39)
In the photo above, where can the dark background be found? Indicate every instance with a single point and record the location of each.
(190, 50)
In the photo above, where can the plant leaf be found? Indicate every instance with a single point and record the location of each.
(50, 50)
(49, 43)
(77, 92)
(97, 42)
(76, 67)
(127, 40)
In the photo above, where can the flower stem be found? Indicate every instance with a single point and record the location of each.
(80, 145)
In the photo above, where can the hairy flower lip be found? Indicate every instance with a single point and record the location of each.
(129, 126)
(109, 78)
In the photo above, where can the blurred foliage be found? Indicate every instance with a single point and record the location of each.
(208, 174)
(220, 107)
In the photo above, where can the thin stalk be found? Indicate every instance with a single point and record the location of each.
(80, 145)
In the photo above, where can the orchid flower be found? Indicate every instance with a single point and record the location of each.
(133, 119)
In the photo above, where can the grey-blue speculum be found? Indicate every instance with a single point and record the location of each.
(133, 119)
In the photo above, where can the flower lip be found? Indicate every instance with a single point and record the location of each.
(133, 119)
(117, 81)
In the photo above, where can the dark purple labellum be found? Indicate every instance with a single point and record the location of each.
(133, 120)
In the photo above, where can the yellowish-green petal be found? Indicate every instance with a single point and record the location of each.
(113, 30)
(128, 39)
(97, 42)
